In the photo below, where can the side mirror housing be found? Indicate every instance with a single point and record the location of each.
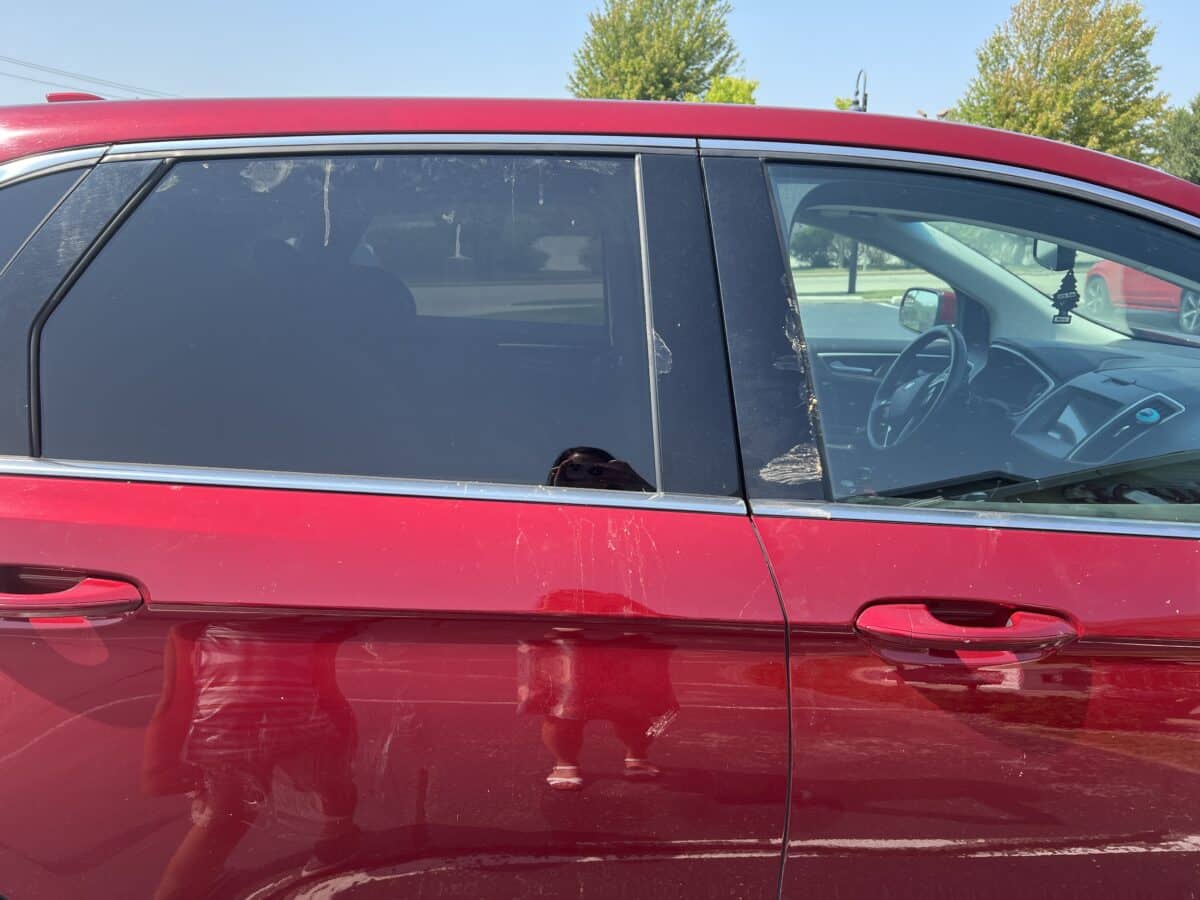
(922, 308)
(1054, 257)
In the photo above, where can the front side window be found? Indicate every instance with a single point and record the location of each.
(977, 345)
(456, 316)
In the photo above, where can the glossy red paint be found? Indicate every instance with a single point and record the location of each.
(1111, 587)
(34, 129)
(278, 548)
(336, 692)
(1075, 774)
(920, 634)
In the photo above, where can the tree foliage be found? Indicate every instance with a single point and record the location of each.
(1179, 141)
(727, 89)
(842, 103)
(654, 50)
(1072, 70)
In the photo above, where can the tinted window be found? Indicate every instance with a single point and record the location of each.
(24, 205)
(35, 273)
(458, 317)
(1000, 347)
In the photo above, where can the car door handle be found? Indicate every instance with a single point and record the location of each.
(844, 369)
(87, 597)
(911, 633)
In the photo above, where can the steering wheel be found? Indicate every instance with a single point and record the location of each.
(905, 400)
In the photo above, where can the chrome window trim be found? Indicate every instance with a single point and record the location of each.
(366, 484)
(954, 165)
(901, 515)
(324, 143)
(476, 142)
(44, 163)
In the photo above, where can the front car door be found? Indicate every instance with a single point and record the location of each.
(990, 575)
(356, 539)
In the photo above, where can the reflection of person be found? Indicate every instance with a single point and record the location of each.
(241, 704)
(591, 467)
(571, 678)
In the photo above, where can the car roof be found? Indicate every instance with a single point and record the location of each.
(27, 130)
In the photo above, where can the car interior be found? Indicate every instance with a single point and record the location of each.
(999, 398)
(412, 351)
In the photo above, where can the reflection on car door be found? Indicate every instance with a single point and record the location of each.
(922, 767)
(335, 690)
(221, 681)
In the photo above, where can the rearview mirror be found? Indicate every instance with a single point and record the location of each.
(1054, 257)
(922, 308)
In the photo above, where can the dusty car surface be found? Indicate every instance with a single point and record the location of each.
(461, 498)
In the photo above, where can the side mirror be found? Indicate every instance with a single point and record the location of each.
(1054, 257)
(922, 308)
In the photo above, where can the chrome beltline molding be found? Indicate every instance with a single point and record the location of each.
(45, 163)
(596, 143)
(954, 165)
(364, 484)
(907, 515)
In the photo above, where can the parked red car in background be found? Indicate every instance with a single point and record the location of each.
(473, 499)
(1110, 286)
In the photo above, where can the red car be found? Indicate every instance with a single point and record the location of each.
(473, 499)
(1111, 285)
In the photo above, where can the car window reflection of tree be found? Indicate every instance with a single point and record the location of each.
(591, 467)
(241, 704)
(571, 678)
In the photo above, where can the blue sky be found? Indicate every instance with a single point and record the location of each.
(919, 53)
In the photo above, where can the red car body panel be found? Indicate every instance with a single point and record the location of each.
(415, 555)
(418, 712)
(36, 129)
(948, 775)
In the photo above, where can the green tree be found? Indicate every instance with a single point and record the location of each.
(654, 50)
(1179, 141)
(842, 103)
(727, 89)
(1072, 70)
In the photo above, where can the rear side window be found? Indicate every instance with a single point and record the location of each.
(24, 205)
(457, 316)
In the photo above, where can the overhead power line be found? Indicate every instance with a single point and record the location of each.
(57, 84)
(79, 76)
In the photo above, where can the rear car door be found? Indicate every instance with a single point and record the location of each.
(371, 524)
(991, 586)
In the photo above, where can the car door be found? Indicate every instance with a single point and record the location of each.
(994, 624)
(363, 533)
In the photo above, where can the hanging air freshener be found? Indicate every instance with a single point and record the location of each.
(1065, 299)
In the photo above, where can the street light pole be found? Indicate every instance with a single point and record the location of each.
(856, 105)
(860, 82)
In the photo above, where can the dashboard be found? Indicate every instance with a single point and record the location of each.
(1012, 380)
(1099, 408)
